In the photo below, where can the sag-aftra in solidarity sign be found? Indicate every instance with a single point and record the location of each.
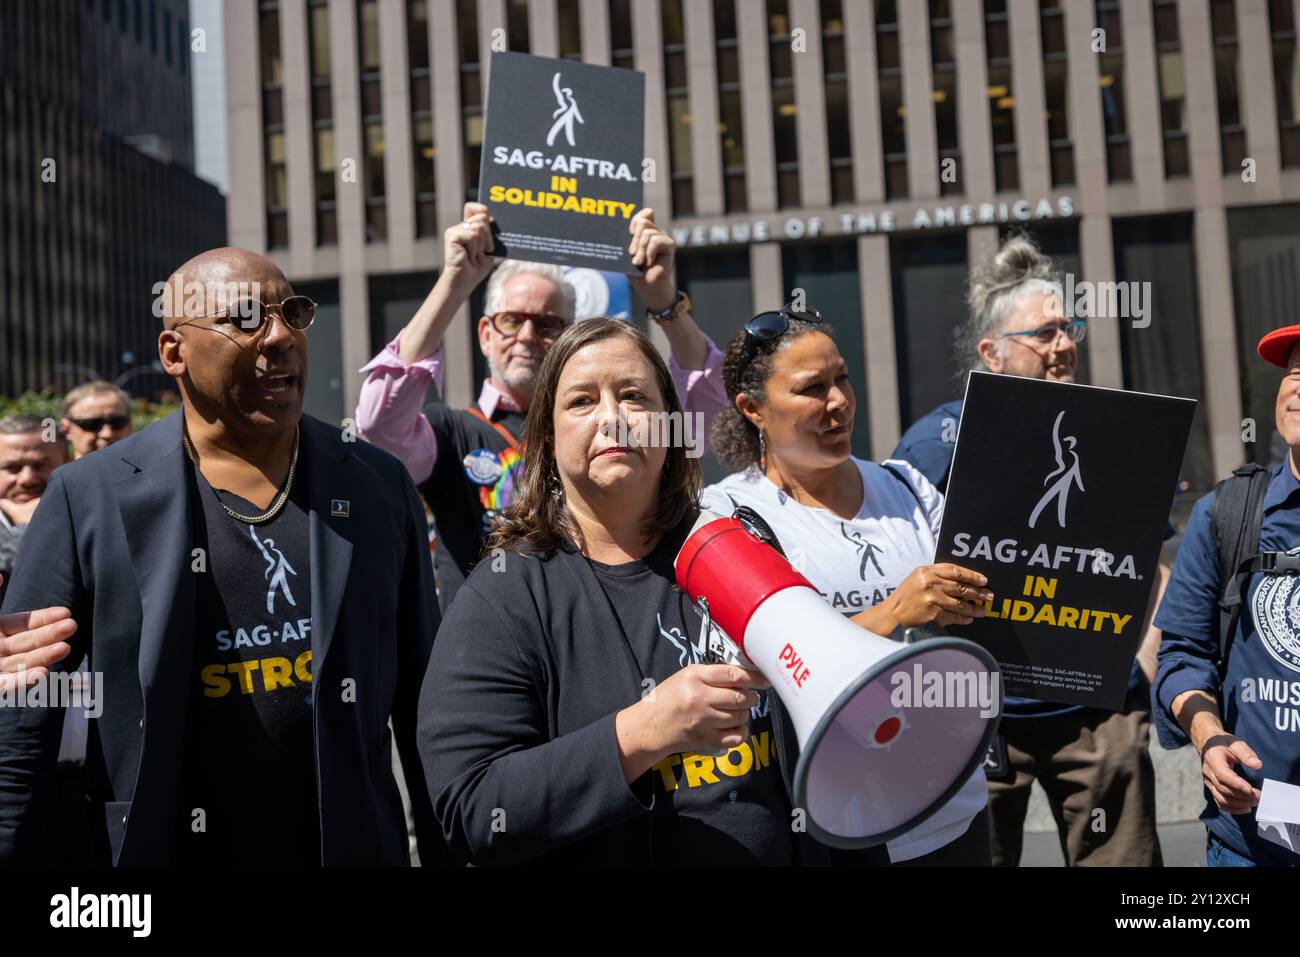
(1060, 494)
(563, 148)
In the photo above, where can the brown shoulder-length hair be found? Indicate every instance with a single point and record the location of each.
(537, 520)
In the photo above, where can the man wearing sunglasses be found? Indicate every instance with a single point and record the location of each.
(95, 415)
(254, 593)
(466, 461)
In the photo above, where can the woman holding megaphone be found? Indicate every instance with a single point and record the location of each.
(567, 715)
(862, 533)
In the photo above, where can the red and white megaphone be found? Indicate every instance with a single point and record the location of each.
(888, 732)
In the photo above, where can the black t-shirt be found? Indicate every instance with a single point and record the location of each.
(250, 758)
(731, 809)
(473, 478)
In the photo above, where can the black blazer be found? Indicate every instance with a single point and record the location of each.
(110, 541)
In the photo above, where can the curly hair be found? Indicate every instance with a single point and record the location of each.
(537, 520)
(1017, 270)
(735, 439)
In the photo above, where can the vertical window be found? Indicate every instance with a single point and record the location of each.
(153, 27)
(1118, 160)
(1264, 247)
(1002, 104)
(1056, 92)
(570, 32)
(1286, 78)
(679, 109)
(839, 136)
(277, 192)
(372, 119)
(167, 36)
(417, 46)
(1165, 358)
(471, 94)
(322, 111)
(893, 135)
(730, 112)
(784, 110)
(620, 34)
(517, 26)
(943, 69)
(183, 46)
(1227, 82)
(139, 21)
(1173, 87)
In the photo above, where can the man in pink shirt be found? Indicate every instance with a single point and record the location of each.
(466, 461)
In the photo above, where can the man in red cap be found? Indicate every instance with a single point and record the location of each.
(1228, 679)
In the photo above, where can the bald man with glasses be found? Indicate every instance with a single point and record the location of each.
(245, 708)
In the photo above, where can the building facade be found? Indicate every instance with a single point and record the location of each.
(98, 198)
(862, 151)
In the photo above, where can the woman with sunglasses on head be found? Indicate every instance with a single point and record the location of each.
(569, 714)
(863, 534)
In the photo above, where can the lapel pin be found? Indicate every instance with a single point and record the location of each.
(339, 507)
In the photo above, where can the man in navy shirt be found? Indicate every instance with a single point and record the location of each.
(1245, 723)
(1085, 759)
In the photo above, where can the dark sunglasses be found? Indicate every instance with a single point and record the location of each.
(765, 327)
(547, 325)
(249, 315)
(114, 422)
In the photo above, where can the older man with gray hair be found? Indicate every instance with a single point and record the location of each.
(466, 461)
(1093, 765)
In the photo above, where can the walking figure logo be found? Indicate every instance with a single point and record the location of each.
(566, 115)
(1068, 475)
(276, 566)
(689, 652)
(865, 549)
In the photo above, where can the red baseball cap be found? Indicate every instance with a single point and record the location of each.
(1275, 348)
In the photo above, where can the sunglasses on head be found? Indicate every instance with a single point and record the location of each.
(115, 422)
(249, 315)
(547, 325)
(765, 327)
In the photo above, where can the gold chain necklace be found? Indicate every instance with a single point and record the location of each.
(276, 506)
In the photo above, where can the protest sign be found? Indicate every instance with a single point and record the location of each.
(563, 146)
(1060, 494)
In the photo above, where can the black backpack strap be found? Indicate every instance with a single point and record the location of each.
(1236, 517)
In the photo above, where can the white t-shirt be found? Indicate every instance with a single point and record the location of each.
(855, 563)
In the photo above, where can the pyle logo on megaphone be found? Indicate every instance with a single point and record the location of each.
(798, 671)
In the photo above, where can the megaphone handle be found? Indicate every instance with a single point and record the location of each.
(726, 649)
(712, 655)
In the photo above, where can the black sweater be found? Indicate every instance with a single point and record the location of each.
(516, 724)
